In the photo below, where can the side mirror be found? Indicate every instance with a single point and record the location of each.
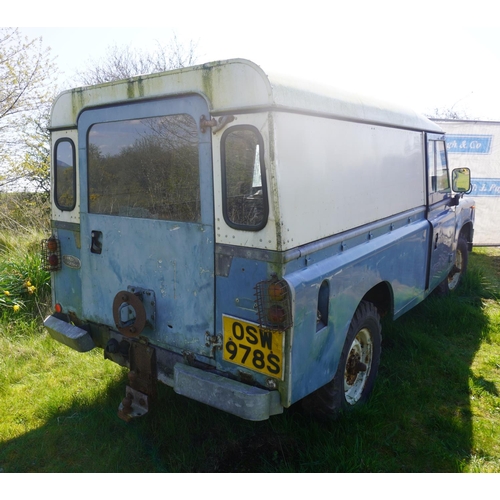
(460, 180)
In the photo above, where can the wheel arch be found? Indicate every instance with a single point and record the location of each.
(467, 232)
(382, 297)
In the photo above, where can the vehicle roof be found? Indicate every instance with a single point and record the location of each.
(238, 86)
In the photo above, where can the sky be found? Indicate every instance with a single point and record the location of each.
(425, 55)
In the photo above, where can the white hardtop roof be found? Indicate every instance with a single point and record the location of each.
(238, 86)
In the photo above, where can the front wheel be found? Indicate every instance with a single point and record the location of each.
(458, 270)
(357, 370)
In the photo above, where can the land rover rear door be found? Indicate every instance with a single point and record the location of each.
(147, 221)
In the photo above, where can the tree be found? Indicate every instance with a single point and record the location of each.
(26, 73)
(447, 114)
(34, 167)
(26, 94)
(123, 62)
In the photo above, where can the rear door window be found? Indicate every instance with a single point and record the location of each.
(146, 168)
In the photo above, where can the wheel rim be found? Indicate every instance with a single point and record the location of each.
(456, 272)
(358, 366)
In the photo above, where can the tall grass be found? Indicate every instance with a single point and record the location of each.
(24, 286)
(24, 212)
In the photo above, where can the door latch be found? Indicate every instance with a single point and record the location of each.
(96, 243)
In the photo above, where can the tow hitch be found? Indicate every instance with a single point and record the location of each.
(141, 389)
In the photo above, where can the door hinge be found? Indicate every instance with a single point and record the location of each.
(215, 124)
(214, 341)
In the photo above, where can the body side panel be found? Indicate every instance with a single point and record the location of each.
(334, 176)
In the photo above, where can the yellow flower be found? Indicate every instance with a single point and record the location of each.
(28, 284)
(31, 289)
(16, 308)
(6, 292)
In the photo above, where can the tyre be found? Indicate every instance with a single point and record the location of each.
(458, 270)
(357, 370)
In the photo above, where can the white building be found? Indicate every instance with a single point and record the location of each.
(476, 145)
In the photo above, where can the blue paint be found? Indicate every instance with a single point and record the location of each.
(468, 144)
(485, 187)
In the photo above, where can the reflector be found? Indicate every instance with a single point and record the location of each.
(273, 304)
(51, 254)
(277, 290)
(276, 315)
(52, 244)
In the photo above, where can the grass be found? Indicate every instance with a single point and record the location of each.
(435, 407)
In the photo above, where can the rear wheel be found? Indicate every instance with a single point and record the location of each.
(357, 370)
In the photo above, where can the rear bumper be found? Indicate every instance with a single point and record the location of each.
(245, 401)
(231, 396)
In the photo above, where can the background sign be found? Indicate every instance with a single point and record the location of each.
(469, 144)
(485, 187)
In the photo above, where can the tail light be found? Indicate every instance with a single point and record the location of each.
(273, 304)
(51, 254)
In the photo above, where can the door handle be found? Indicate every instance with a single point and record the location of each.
(96, 242)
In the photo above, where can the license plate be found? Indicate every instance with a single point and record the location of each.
(248, 345)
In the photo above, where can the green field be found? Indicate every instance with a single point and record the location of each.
(435, 407)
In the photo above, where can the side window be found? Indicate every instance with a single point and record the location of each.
(64, 174)
(244, 187)
(439, 181)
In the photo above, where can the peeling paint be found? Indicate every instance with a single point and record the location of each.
(206, 77)
(277, 266)
(174, 279)
(77, 103)
(130, 89)
(135, 88)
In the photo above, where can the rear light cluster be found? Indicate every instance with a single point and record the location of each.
(273, 304)
(51, 254)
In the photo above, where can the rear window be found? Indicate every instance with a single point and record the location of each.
(146, 168)
(243, 177)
